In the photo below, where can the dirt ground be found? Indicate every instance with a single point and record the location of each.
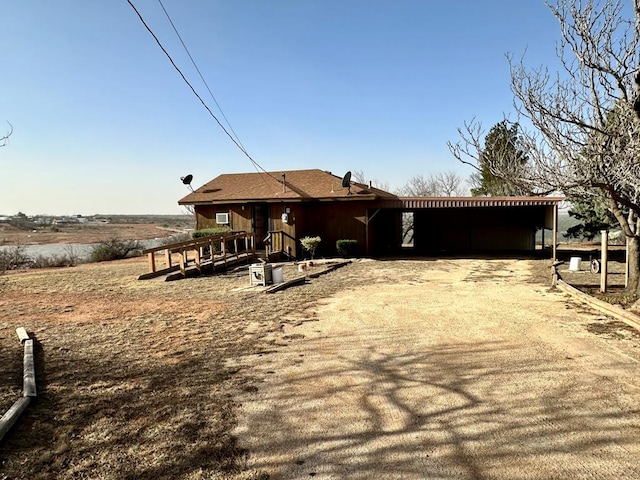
(453, 368)
(448, 369)
(133, 376)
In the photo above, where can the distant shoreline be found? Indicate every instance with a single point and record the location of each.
(86, 233)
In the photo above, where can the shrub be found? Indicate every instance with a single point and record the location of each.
(4, 263)
(346, 248)
(179, 237)
(52, 261)
(70, 258)
(310, 244)
(207, 232)
(14, 258)
(114, 249)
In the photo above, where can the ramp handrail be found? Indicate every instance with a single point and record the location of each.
(277, 240)
(204, 249)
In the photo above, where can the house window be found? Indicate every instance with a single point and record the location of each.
(222, 218)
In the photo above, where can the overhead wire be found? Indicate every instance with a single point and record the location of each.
(193, 90)
(193, 62)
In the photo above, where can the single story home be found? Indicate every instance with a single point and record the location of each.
(280, 208)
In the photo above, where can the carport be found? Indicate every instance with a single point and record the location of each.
(451, 225)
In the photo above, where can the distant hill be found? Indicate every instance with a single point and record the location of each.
(566, 221)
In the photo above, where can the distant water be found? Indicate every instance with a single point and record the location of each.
(48, 250)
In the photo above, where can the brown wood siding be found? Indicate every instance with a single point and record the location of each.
(295, 218)
(205, 217)
(240, 218)
(334, 221)
(460, 229)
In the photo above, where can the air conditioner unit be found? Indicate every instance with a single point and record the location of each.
(222, 218)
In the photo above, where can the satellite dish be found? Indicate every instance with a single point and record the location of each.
(346, 181)
(187, 181)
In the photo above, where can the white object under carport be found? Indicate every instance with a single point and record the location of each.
(574, 264)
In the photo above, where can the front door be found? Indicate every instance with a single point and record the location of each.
(260, 223)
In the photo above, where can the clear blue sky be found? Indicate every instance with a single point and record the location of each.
(104, 124)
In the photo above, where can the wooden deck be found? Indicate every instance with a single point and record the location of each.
(201, 255)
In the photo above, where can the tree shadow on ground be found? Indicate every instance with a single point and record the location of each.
(471, 411)
(137, 419)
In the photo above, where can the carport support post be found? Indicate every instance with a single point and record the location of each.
(604, 234)
(555, 233)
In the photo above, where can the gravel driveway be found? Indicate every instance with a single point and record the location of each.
(446, 369)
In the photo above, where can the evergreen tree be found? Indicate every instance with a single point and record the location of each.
(501, 147)
(586, 118)
(594, 216)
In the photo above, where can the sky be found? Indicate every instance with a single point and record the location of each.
(103, 123)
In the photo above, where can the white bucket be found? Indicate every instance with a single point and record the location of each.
(277, 276)
(574, 264)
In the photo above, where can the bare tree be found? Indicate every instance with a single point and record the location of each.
(447, 184)
(189, 210)
(474, 181)
(5, 138)
(587, 127)
(417, 186)
(359, 176)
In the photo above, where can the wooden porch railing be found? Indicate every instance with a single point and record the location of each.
(279, 241)
(213, 251)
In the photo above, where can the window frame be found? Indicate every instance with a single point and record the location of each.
(222, 218)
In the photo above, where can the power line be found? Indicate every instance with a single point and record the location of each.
(200, 74)
(236, 143)
(257, 167)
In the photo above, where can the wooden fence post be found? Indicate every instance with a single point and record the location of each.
(604, 234)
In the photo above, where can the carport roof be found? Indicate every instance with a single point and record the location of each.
(470, 202)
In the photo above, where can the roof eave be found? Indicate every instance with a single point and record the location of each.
(280, 200)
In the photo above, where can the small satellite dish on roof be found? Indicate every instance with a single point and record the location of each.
(346, 182)
(187, 181)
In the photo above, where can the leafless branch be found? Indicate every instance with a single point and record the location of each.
(447, 184)
(5, 138)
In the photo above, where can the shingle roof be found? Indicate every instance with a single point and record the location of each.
(299, 185)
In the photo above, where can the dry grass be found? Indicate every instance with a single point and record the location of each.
(590, 283)
(132, 375)
(135, 378)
